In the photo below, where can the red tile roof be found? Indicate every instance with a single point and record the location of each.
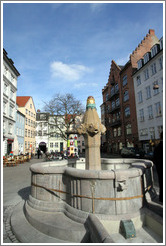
(21, 101)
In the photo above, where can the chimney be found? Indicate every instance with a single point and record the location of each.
(151, 31)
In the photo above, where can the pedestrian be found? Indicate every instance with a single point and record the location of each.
(38, 153)
(158, 161)
(62, 155)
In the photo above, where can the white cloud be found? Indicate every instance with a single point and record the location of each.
(68, 72)
(81, 85)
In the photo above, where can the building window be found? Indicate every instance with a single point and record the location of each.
(51, 145)
(158, 109)
(127, 111)
(12, 94)
(39, 133)
(12, 78)
(138, 80)
(5, 70)
(124, 80)
(4, 107)
(118, 115)
(154, 50)
(11, 111)
(140, 99)
(112, 91)
(144, 132)
(30, 105)
(117, 102)
(139, 63)
(119, 131)
(56, 144)
(160, 130)
(5, 88)
(25, 144)
(146, 57)
(107, 96)
(146, 74)
(44, 133)
(150, 112)
(153, 68)
(156, 90)
(26, 121)
(141, 113)
(113, 104)
(152, 133)
(161, 63)
(128, 129)
(115, 132)
(116, 88)
(126, 96)
(29, 133)
(10, 128)
(26, 111)
(25, 132)
(148, 92)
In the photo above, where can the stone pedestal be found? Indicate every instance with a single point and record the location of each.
(91, 129)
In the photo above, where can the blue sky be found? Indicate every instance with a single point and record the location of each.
(68, 47)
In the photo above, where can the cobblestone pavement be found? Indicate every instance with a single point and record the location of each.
(16, 187)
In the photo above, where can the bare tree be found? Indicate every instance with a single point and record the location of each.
(64, 110)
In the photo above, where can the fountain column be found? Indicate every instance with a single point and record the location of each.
(91, 129)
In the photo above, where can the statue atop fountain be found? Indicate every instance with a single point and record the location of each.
(91, 128)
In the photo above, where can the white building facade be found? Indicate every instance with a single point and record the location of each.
(47, 138)
(42, 136)
(148, 86)
(10, 76)
(56, 142)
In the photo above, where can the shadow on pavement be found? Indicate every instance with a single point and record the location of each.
(25, 192)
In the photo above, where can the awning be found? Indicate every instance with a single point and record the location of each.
(10, 140)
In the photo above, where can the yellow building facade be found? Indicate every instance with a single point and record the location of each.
(27, 107)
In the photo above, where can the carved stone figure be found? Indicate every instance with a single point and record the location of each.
(91, 129)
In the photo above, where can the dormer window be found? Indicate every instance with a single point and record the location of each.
(161, 43)
(154, 50)
(140, 63)
(146, 57)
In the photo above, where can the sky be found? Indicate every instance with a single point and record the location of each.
(68, 47)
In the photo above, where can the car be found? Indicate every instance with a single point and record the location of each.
(132, 152)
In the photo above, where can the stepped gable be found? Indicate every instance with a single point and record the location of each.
(113, 72)
(146, 44)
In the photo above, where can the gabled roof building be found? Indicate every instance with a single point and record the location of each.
(26, 106)
(10, 76)
(119, 106)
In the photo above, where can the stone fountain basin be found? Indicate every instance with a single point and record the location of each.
(119, 188)
(77, 205)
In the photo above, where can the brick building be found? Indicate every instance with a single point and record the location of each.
(119, 108)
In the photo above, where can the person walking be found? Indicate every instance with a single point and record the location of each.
(158, 161)
(38, 153)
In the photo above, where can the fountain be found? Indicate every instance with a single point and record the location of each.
(96, 201)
